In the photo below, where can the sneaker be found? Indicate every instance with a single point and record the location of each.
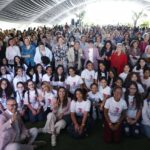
(53, 140)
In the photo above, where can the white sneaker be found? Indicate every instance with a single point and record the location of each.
(53, 140)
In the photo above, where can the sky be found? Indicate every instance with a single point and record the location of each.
(101, 13)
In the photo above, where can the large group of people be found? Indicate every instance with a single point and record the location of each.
(70, 78)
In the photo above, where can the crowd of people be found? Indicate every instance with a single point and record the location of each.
(72, 77)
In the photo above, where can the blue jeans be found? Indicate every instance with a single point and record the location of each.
(146, 130)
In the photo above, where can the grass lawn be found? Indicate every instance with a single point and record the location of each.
(92, 142)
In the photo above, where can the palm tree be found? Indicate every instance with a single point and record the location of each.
(138, 15)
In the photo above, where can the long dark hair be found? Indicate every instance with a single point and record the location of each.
(103, 51)
(28, 90)
(65, 100)
(6, 70)
(8, 91)
(37, 74)
(137, 96)
(99, 75)
(138, 67)
(82, 91)
(56, 76)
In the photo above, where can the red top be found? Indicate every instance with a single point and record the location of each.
(119, 61)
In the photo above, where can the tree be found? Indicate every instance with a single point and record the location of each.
(80, 16)
(137, 16)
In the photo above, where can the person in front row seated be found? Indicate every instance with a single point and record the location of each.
(59, 117)
(13, 131)
(94, 97)
(81, 122)
(114, 113)
(32, 99)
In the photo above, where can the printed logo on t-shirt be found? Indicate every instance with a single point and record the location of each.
(116, 111)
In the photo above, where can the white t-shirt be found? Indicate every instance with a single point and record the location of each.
(146, 113)
(102, 75)
(123, 76)
(40, 77)
(146, 82)
(115, 108)
(88, 77)
(94, 97)
(19, 79)
(19, 99)
(140, 88)
(74, 83)
(104, 91)
(131, 110)
(32, 99)
(49, 98)
(46, 78)
(7, 76)
(91, 54)
(3, 100)
(80, 107)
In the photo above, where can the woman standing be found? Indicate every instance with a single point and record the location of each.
(28, 52)
(114, 113)
(119, 59)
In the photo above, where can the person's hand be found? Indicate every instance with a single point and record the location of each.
(14, 117)
(61, 115)
(76, 127)
(81, 128)
(116, 126)
(133, 121)
(34, 112)
(40, 98)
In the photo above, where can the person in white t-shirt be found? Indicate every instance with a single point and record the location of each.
(20, 77)
(94, 97)
(59, 77)
(38, 75)
(104, 92)
(11, 51)
(125, 72)
(114, 113)
(49, 97)
(101, 72)
(146, 116)
(49, 75)
(5, 74)
(135, 77)
(88, 75)
(145, 79)
(5, 92)
(19, 96)
(32, 99)
(58, 118)
(133, 114)
(80, 120)
(73, 81)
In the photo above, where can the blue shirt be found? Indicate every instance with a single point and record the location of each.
(31, 52)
